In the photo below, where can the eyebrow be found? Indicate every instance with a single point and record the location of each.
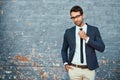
(75, 16)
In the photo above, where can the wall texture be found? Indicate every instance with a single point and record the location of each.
(31, 33)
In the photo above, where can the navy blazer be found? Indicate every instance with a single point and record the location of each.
(95, 43)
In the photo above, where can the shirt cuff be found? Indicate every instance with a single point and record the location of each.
(65, 63)
(87, 40)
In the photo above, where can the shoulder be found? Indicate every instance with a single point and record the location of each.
(90, 26)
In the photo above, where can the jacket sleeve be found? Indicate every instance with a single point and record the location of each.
(97, 42)
(65, 48)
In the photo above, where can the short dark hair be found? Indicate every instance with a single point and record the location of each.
(76, 9)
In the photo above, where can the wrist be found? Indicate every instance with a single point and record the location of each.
(87, 40)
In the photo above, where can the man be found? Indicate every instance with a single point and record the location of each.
(81, 41)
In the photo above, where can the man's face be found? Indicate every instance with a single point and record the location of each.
(77, 18)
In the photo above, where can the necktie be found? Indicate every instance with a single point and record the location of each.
(81, 48)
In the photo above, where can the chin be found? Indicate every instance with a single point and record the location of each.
(78, 24)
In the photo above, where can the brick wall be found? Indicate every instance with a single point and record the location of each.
(31, 33)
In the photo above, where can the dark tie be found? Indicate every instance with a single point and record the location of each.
(81, 48)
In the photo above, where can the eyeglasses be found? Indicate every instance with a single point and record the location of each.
(75, 17)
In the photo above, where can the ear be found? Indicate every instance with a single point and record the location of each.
(83, 15)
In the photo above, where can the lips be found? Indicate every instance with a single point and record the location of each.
(77, 22)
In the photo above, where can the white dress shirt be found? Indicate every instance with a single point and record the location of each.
(77, 56)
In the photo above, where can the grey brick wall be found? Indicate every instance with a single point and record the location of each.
(31, 33)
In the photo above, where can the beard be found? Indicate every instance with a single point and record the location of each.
(79, 23)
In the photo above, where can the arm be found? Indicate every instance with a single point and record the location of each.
(97, 42)
(64, 49)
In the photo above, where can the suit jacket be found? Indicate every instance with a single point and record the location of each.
(95, 43)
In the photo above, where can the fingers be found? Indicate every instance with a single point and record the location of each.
(67, 67)
(82, 35)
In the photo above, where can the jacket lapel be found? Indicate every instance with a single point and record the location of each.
(73, 41)
(74, 37)
(88, 29)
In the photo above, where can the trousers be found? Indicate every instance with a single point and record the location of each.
(81, 74)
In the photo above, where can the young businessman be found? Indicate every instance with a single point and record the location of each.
(79, 45)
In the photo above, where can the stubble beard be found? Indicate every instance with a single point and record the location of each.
(79, 23)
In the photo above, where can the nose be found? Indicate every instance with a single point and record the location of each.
(75, 19)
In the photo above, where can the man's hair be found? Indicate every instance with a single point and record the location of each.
(76, 9)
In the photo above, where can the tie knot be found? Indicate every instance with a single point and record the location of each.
(81, 29)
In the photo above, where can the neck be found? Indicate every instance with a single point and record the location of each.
(82, 24)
